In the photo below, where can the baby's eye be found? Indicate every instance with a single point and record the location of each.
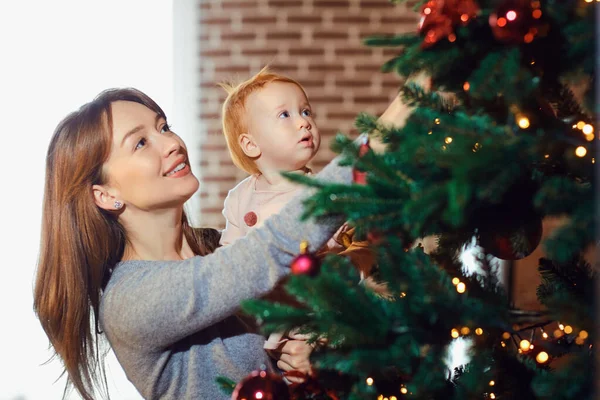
(165, 128)
(140, 144)
(284, 114)
(307, 113)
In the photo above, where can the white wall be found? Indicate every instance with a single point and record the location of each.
(186, 85)
(54, 56)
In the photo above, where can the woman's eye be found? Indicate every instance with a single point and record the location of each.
(284, 114)
(165, 128)
(140, 144)
(307, 112)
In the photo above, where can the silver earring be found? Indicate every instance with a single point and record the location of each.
(118, 205)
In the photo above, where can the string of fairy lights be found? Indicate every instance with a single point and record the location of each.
(524, 346)
(523, 122)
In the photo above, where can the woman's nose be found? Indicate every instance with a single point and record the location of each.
(171, 144)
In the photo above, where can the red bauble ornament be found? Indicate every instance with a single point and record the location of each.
(435, 27)
(306, 263)
(517, 21)
(360, 177)
(514, 236)
(439, 17)
(261, 385)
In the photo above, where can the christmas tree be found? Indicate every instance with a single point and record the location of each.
(500, 137)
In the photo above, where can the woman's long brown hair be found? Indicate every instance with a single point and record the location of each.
(81, 243)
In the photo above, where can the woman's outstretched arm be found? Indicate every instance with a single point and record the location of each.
(157, 303)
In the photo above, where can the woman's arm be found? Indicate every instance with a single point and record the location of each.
(155, 304)
(162, 302)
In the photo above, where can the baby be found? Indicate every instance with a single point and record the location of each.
(269, 127)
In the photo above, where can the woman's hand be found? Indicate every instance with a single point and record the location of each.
(397, 112)
(396, 115)
(295, 357)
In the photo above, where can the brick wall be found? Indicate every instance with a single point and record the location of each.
(318, 43)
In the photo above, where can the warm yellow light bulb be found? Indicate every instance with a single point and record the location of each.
(580, 151)
(380, 397)
(448, 140)
(545, 335)
(506, 335)
(579, 341)
(369, 381)
(393, 398)
(588, 1)
(557, 333)
(583, 334)
(403, 390)
(561, 327)
(461, 287)
(568, 329)
(589, 137)
(503, 344)
(492, 396)
(454, 333)
(465, 330)
(542, 357)
(437, 121)
(587, 129)
(492, 383)
(466, 86)
(479, 331)
(524, 344)
(580, 125)
(523, 122)
(455, 281)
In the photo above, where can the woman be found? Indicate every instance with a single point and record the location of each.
(119, 257)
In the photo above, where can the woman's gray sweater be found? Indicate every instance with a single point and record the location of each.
(172, 324)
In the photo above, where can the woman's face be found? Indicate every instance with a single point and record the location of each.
(148, 168)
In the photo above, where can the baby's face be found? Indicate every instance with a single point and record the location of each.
(280, 120)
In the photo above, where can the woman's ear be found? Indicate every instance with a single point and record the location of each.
(248, 145)
(104, 199)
